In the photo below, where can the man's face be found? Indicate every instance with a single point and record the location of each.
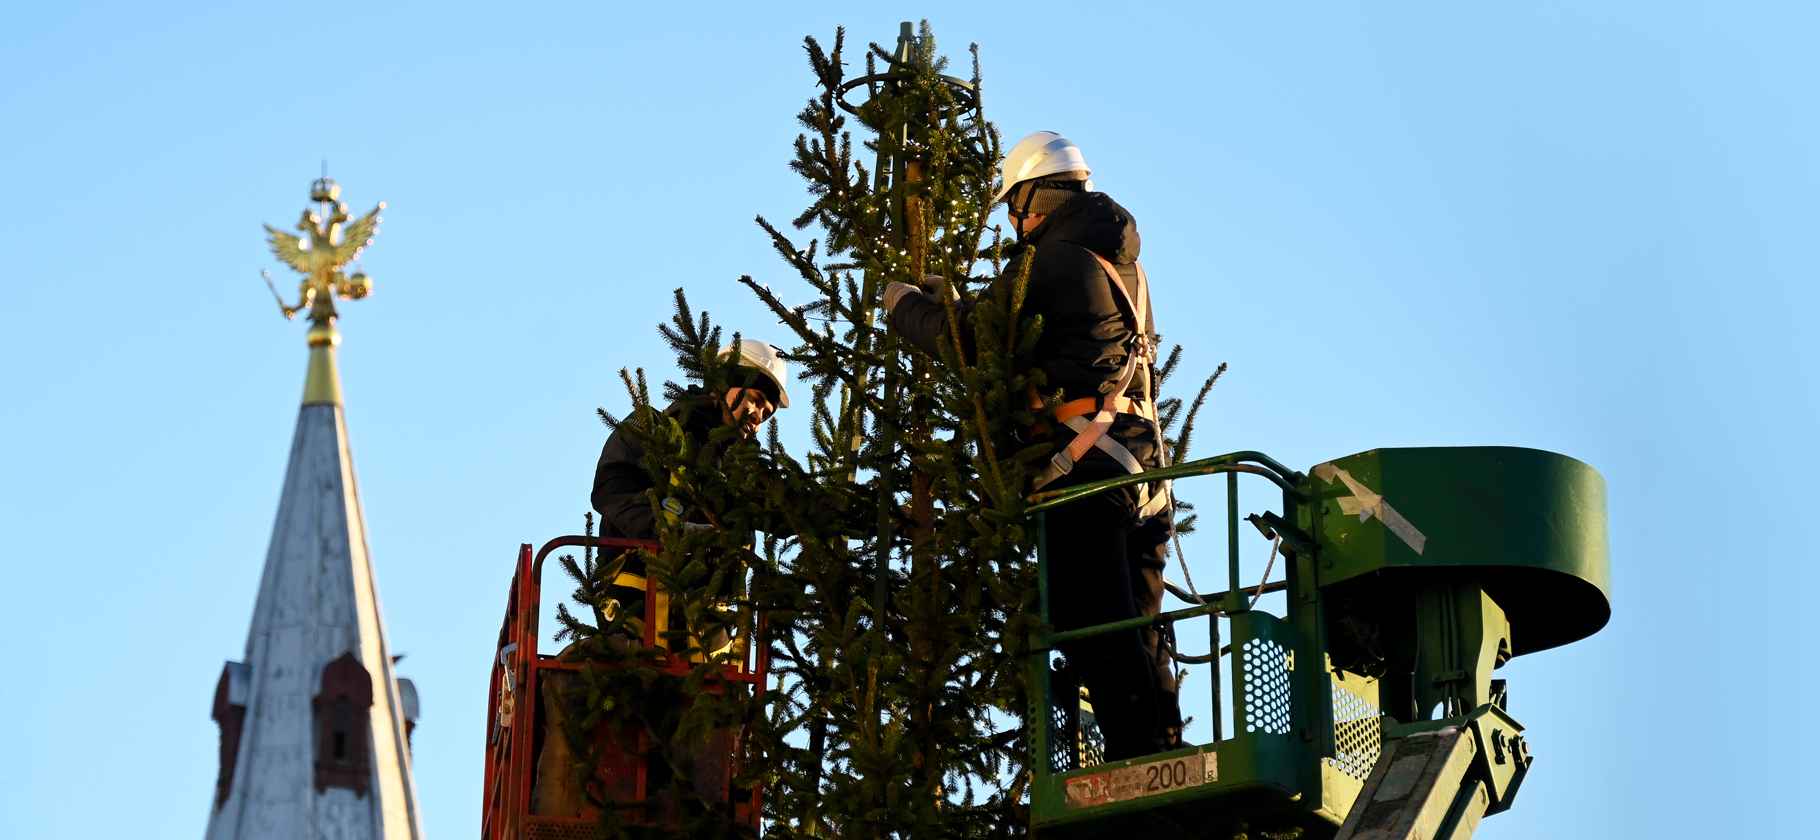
(1024, 225)
(747, 408)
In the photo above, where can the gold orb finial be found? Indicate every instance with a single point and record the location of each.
(323, 334)
(323, 189)
(355, 286)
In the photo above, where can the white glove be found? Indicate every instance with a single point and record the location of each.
(895, 292)
(939, 286)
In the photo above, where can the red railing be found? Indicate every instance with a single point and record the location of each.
(513, 736)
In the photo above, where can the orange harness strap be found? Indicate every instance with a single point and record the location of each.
(1074, 408)
(1135, 310)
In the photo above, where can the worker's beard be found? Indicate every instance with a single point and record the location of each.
(738, 411)
(741, 419)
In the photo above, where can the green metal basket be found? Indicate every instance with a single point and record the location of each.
(1411, 574)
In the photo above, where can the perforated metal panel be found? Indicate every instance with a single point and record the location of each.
(1263, 674)
(1061, 734)
(548, 829)
(1357, 734)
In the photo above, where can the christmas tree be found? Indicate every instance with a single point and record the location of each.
(894, 575)
(903, 651)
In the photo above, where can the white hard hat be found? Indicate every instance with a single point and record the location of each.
(755, 353)
(1042, 153)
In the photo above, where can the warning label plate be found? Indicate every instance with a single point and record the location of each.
(1140, 780)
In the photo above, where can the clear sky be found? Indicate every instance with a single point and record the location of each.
(1588, 228)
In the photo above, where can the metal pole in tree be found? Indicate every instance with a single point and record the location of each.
(891, 160)
(889, 175)
(898, 169)
(903, 124)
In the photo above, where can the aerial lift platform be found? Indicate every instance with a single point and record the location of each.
(519, 731)
(1368, 711)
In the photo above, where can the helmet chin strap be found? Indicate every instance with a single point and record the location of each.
(1030, 188)
(1023, 213)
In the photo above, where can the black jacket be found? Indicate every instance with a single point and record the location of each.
(1083, 345)
(620, 481)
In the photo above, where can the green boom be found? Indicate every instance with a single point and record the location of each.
(1531, 523)
(1411, 574)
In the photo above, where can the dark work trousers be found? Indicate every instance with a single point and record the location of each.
(1103, 566)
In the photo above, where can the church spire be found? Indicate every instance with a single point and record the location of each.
(315, 725)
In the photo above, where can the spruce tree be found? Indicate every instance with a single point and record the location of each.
(893, 576)
(902, 651)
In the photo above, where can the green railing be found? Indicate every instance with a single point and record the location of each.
(1235, 462)
(1231, 464)
(1048, 798)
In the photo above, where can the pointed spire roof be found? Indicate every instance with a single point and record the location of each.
(315, 724)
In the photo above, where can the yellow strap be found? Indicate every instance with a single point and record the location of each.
(734, 643)
(663, 620)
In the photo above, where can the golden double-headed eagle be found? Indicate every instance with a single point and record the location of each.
(329, 242)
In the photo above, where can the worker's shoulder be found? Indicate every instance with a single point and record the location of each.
(1071, 273)
(1062, 259)
(1096, 227)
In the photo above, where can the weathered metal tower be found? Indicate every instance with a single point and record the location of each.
(315, 726)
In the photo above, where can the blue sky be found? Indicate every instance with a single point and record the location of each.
(1577, 227)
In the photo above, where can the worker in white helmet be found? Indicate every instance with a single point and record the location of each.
(620, 481)
(620, 485)
(1105, 557)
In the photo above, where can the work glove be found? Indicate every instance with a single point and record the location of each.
(932, 284)
(939, 287)
(896, 292)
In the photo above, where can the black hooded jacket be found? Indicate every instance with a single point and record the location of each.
(1083, 344)
(620, 481)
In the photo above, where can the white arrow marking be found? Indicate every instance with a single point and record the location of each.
(1366, 503)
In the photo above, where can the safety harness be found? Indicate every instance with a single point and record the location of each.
(1140, 352)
